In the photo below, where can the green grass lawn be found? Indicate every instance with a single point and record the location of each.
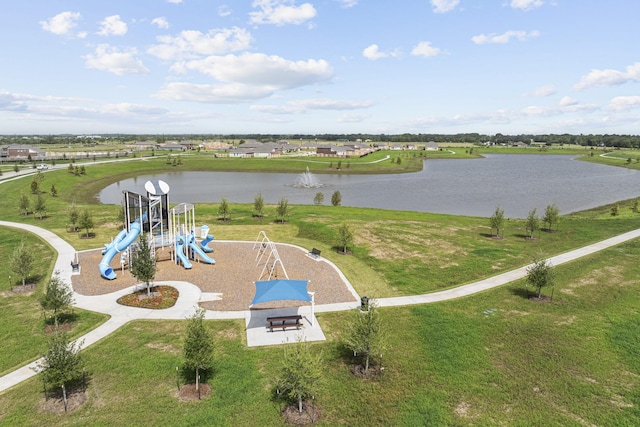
(491, 359)
(23, 323)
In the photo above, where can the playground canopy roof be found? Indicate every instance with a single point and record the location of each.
(279, 290)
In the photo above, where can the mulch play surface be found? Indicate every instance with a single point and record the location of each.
(232, 276)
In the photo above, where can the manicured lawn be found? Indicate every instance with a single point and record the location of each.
(21, 317)
(491, 359)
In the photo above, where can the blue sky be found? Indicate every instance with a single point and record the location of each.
(320, 66)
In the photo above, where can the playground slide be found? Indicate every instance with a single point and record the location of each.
(119, 237)
(105, 269)
(198, 250)
(180, 252)
(204, 244)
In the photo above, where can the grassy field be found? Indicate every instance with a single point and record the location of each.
(491, 359)
(23, 323)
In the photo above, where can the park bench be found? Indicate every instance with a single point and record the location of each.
(284, 322)
(315, 253)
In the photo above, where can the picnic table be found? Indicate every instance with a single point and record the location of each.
(284, 322)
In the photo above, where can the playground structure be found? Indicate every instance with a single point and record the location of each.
(186, 246)
(265, 245)
(150, 214)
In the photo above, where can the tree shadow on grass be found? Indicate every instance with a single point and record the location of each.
(65, 320)
(522, 292)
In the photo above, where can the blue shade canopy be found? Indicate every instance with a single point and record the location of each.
(279, 290)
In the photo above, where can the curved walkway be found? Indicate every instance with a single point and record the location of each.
(190, 294)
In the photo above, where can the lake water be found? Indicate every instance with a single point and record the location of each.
(472, 187)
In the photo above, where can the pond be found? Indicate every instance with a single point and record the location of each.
(474, 187)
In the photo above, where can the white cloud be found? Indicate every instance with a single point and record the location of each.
(567, 101)
(443, 6)
(62, 23)
(112, 26)
(175, 1)
(609, 77)
(543, 91)
(191, 43)
(624, 103)
(258, 69)
(224, 10)
(246, 77)
(302, 106)
(348, 3)
(161, 22)
(373, 52)
(108, 58)
(526, 4)
(425, 49)
(330, 104)
(504, 37)
(281, 12)
(209, 93)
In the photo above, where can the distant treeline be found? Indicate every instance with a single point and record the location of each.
(606, 140)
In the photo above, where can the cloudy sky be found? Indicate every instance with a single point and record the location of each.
(320, 66)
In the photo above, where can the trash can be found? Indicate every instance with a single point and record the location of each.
(204, 231)
(364, 303)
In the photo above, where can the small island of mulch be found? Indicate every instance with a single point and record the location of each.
(55, 404)
(310, 414)
(158, 298)
(188, 392)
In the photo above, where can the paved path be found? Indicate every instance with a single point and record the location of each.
(190, 294)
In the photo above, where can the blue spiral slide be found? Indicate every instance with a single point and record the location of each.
(122, 242)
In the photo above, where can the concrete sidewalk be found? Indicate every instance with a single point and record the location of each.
(190, 295)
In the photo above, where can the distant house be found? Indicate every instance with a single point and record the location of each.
(22, 152)
(520, 144)
(172, 146)
(332, 150)
(431, 146)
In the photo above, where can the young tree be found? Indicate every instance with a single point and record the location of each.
(57, 297)
(143, 262)
(533, 223)
(40, 206)
(365, 334)
(345, 237)
(282, 210)
(496, 222)
(74, 215)
(615, 210)
(223, 209)
(551, 216)
(35, 186)
(86, 221)
(62, 363)
(198, 346)
(24, 204)
(21, 262)
(53, 191)
(318, 198)
(336, 198)
(301, 373)
(540, 274)
(339, 165)
(258, 206)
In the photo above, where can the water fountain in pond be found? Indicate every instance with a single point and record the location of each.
(307, 180)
